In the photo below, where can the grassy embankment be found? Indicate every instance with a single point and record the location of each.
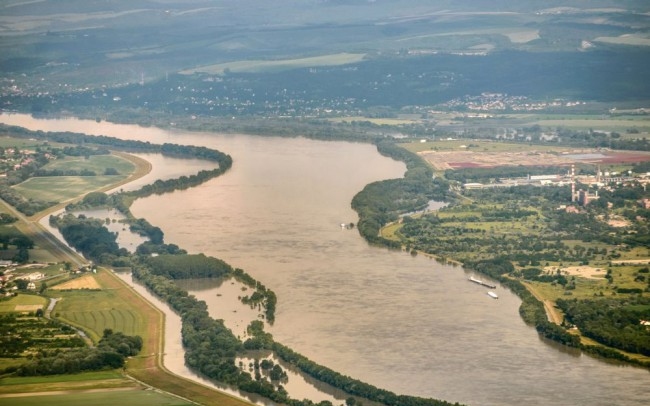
(113, 305)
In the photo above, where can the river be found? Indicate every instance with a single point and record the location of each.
(407, 324)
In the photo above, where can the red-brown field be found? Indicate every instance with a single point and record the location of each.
(443, 160)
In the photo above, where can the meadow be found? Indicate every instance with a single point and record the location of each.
(15, 303)
(95, 310)
(482, 146)
(108, 397)
(21, 143)
(64, 188)
(259, 66)
(94, 163)
(89, 388)
(118, 307)
(58, 189)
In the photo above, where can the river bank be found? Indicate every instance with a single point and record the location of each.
(148, 370)
(258, 217)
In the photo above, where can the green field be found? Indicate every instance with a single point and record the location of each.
(126, 396)
(22, 143)
(62, 188)
(9, 306)
(88, 388)
(638, 40)
(257, 66)
(96, 310)
(95, 163)
(597, 123)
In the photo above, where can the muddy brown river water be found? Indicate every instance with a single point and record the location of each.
(407, 324)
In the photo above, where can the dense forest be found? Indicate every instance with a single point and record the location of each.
(382, 202)
(89, 236)
(612, 321)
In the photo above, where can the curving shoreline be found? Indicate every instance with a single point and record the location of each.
(152, 373)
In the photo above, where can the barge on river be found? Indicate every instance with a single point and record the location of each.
(480, 282)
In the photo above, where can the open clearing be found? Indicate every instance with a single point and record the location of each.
(584, 271)
(63, 188)
(83, 282)
(627, 39)
(22, 301)
(96, 310)
(27, 308)
(96, 397)
(465, 157)
(257, 66)
(95, 163)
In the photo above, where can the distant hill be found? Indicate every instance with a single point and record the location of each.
(67, 45)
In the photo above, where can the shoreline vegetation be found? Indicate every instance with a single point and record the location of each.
(376, 206)
(200, 331)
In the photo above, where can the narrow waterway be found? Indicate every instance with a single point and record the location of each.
(404, 323)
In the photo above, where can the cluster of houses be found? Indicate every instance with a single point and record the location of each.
(9, 274)
(14, 159)
(581, 197)
(9, 277)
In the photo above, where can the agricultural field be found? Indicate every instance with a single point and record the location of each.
(88, 388)
(86, 281)
(84, 380)
(64, 188)
(23, 303)
(94, 163)
(25, 335)
(99, 308)
(597, 123)
(20, 143)
(118, 307)
(454, 154)
(481, 146)
(101, 397)
(259, 66)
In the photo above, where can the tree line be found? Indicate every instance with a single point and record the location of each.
(615, 322)
(210, 347)
(380, 203)
(110, 353)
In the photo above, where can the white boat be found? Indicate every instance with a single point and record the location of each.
(493, 295)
